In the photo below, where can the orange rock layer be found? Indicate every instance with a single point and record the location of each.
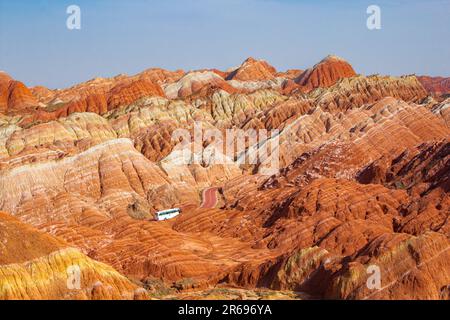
(363, 184)
(325, 74)
(14, 95)
(435, 85)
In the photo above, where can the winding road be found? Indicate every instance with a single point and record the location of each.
(209, 198)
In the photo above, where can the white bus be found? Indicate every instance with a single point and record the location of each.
(167, 214)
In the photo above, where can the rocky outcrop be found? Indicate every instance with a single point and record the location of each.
(360, 90)
(443, 109)
(237, 109)
(15, 96)
(160, 76)
(334, 231)
(429, 166)
(290, 74)
(361, 184)
(325, 74)
(121, 95)
(251, 70)
(435, 85)
(35, 265)
(410, 268)
(197, 83)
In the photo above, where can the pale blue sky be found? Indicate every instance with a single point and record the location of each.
(119, 36)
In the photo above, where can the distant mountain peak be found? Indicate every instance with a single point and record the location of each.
(252, 69)
(325, 73)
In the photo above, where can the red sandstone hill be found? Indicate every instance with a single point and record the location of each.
(326, 73)
(290, 74)
(363, 180)
(104, 85)
(435, 85)
(98, 98)
(160, 76)
(14, 95)
(27, 255)
(197, 84)
(252, 69)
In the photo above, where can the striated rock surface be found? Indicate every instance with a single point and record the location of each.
(160, 76)
(325, 74)
(14, 95)
(101, 101)
(36, 265)
(334, 230)
(350, 92)
(442, 109)
(199, 83)
(362, 184)
(252, 69)
(435, 85)
(290, 74)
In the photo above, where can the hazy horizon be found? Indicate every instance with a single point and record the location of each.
(119, 37)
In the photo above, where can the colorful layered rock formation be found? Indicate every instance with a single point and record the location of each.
(326, 73)
(36, 265)
(14, 95)
(252, 69)
(362, 185)
(435, 85)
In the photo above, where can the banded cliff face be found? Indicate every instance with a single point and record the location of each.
(252, 69)
(363, 181)
(14, 95)
(435, 85)
(325, 74)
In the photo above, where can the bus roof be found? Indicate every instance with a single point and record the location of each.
(168, 211)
